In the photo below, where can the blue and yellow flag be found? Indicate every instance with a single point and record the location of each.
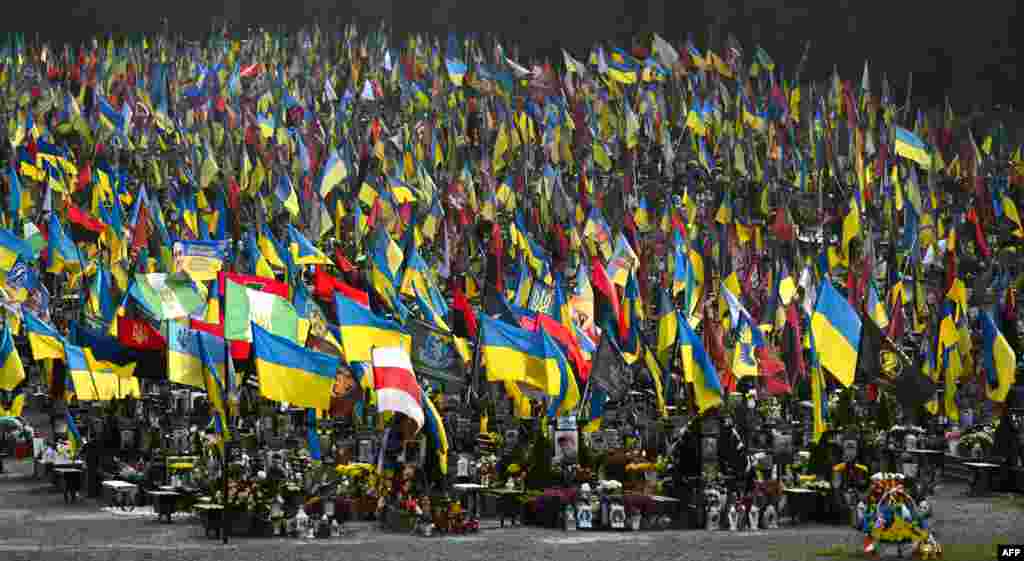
(568, 390)
(12, 372)
(312, 435)
(818, 388)
(699, 369)
(909, 146)
(516, 355)
(999, 360)
(12, 248)
(63, 252)
(303, 252)
(361, 330)
(43, 339)
(433, 425)
(211, 354)
(835, 326)
(74, 437)
(293, 374)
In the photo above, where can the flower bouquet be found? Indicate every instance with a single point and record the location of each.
(890, 514)
(978, 442)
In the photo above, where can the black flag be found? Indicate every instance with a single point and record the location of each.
(869, 353)
(913, 388)
(610, 371)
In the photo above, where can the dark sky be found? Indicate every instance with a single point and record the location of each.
(961, 49)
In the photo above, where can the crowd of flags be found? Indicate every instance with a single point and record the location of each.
(565, 224)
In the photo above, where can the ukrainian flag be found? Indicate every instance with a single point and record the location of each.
(361, 330)
(623, 68)
(668, 328)
(303, 252)
(598, 399)
(74, 437)
(999, 360)
(699, 369)
(568, 390)
(211, 348)
(818, 398)
(63, 252)
(836, 329)
(516, 355)
(875, 307)
(292, 374)
(385, 267)
(912, 148)
(44, 340)
(13, 247)
(433, 425)
(184, 354)
(335, 171)
(269, 247)
(78, 371)
(11, 370)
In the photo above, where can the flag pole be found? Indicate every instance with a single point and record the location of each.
(474, 387)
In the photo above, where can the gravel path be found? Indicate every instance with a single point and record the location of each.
(36, 525)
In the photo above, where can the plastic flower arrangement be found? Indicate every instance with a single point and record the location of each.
(357, 479)
(984, 436)
(891, 515)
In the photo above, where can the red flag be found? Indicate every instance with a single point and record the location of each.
(565, 338)
(895, 331)
(606, 298)
(979, 233)
(781, 227)
(465, 315)
(140, 233)
(342, 262)
(239, 349)
(252, 281)
(324, 287)
(139, 334)
(84, 176)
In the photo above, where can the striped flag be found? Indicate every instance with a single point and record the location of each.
(396, 385)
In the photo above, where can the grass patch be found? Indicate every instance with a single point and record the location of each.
(950, 551)
(836, 551)
(1012, 502)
